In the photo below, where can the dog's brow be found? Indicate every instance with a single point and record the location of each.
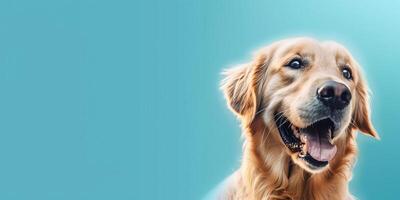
(294, 49)
(342, 58)
(344, 61)
(340, 61)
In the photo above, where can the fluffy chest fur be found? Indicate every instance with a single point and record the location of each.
(268, 173)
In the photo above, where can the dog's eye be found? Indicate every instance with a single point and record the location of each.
(295, 63)
(347, 73)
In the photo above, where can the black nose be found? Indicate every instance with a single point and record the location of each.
(334, 95)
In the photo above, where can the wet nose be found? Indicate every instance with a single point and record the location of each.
(334, 95)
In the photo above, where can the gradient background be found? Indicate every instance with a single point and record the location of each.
(120, 99)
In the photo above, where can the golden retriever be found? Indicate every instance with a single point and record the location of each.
(300, 102)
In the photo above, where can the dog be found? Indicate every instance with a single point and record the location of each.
(300, 102)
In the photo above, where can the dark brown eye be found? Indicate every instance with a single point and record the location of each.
(295, 63)
(347, 73)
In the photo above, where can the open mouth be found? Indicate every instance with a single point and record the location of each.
(313, 143)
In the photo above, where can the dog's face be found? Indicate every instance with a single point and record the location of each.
(311, 93)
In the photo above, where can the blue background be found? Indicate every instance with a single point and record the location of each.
(120, 99)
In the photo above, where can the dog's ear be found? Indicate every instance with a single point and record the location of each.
(240, 86)
(361, 115)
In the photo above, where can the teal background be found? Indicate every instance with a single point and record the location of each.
(120, 99)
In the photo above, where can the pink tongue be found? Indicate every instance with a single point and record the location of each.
(320, 148)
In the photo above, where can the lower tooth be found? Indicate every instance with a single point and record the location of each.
(302, 154)
(303, 146)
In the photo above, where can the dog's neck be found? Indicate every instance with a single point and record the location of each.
(270, 173)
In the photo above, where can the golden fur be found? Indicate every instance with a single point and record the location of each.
(257, 89)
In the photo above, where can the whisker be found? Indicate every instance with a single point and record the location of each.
(261, 110)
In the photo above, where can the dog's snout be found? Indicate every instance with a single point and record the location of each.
(334, 95)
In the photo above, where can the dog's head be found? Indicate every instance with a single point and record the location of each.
(310, 93)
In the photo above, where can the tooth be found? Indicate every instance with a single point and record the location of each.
(303, 138)
(330, 136)
(302, 154)
(295, 131)
(303, 146)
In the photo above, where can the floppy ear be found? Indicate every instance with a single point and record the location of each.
(361, 116)
(240, 86)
